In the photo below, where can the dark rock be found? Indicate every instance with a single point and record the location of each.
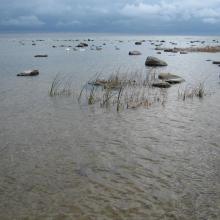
(168, 50)
(161, 84)
(82, 45)
(153, 61)
(158, 52)
(135, 52)
(158, 48)
(29, 73)
(41, 55)
(216, 62)
(183, 52)
(171, 50)
(138, 43)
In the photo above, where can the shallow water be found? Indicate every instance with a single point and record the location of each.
(63, 160)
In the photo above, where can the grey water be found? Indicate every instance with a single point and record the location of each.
(63, 160)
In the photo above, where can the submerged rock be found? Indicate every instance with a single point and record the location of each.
(135, 52)
(153, 61)
(29, 73)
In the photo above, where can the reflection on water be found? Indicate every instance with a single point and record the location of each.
(62, 160)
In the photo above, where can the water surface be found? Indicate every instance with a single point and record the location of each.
(62, 160)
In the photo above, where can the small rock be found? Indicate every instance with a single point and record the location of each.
(82, 45)
(29, 73)
(216, 62)
(135, 52)
(161, 84)
(138, 43)
(41, 55)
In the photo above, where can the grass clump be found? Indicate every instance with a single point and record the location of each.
(61, 86)
(192, 91)
(122, 90)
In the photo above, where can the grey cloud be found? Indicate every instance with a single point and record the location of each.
(145, 16)
(23, 21)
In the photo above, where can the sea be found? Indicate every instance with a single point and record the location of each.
(61, 159)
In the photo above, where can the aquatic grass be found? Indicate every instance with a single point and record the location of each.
(61, 86)
(191, 91)
(123, 90)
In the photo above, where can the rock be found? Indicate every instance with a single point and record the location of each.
(29, 73)
(167, 76)
(159, 52)
(41, 55)
(216, 62)
(138, 43)
(183, 52)
(170, 78)
(82, 45)
(158, 48)
(98, 82)
(98, 48)
(171, 50)
(134, 52)
(161, 84)
(153, 61)
(175, 81)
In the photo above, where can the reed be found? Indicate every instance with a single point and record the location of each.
(192, 91)
(123, 90)
(61, 86)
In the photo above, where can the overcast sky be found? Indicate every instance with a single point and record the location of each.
(117, 16)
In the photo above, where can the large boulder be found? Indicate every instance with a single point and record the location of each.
(29, 73)
(134, 52)
(153, 61)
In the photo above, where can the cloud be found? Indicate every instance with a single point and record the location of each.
(23, 21)
(68, 23)
(112, 16)
(211, 20)
(166, 10)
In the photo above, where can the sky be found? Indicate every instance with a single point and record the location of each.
(113, 16)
